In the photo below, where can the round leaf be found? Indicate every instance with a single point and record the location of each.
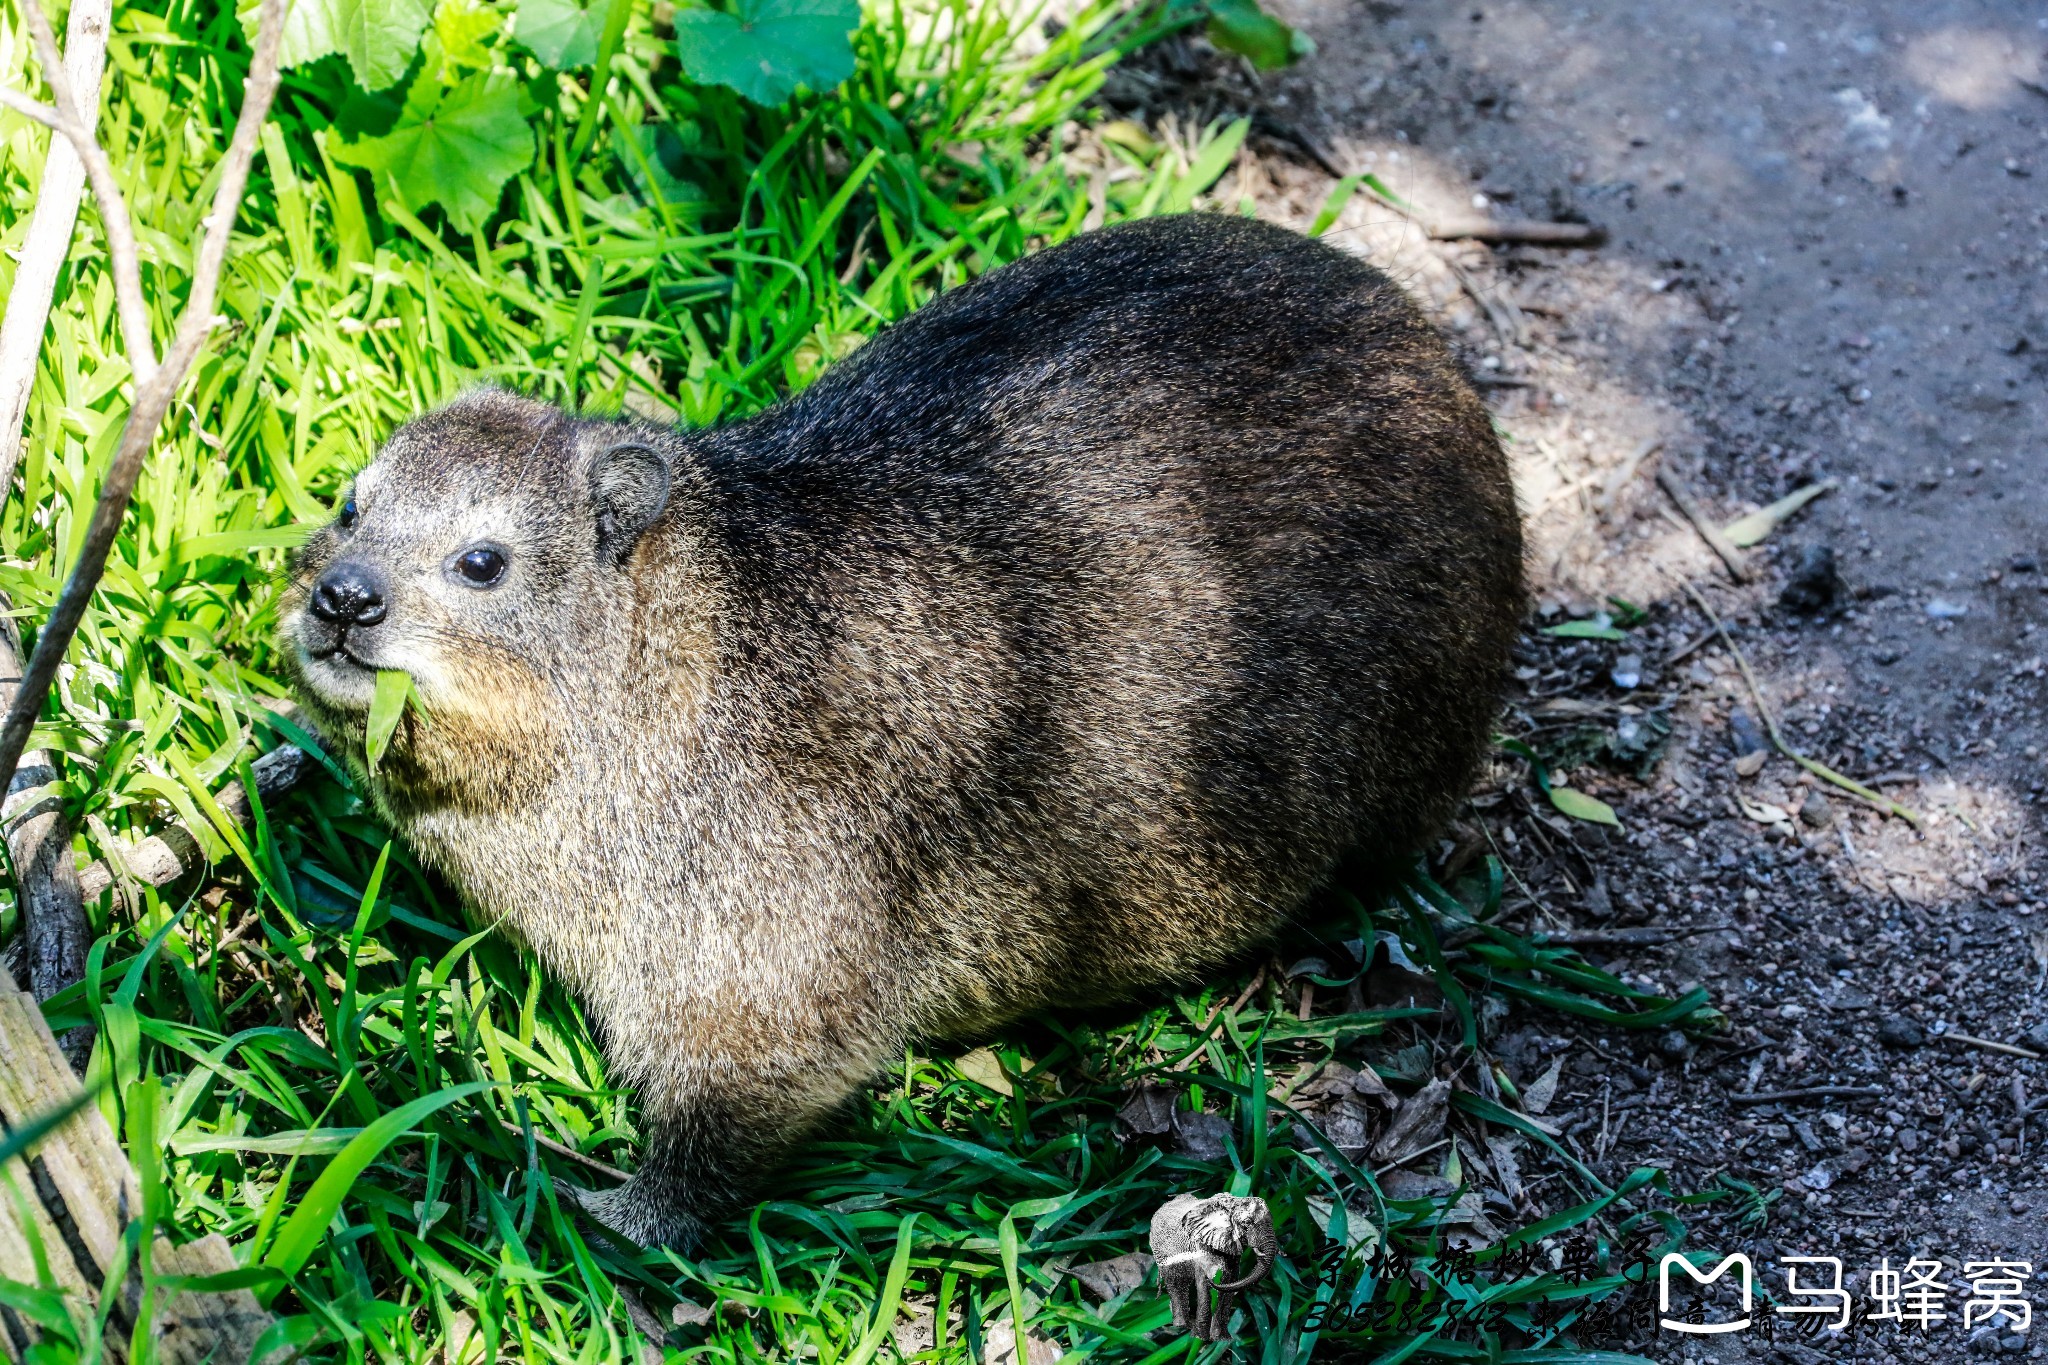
(454, 146)
(562, 33)
(766, 49)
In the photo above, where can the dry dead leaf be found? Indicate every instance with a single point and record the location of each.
(982, 1067)
(1360, 1232)
(1744, 532)
(463, 1344)
(1148, 1111)
(1507, 1162)
(1000, 1345)
(1536, 1099)
(916, 1327)
(1117, 1275)
(1203, 1136)
(1763, 812)
(1418, 1125)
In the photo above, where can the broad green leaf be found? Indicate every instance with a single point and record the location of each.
(1584, 630)
(463, 30)
(1580, 806)
(1210, 163)
(562, 33)
(765, 49)
(378, 37)
(1240, 26)
(653, 156)
(386, 706)
(455, 146)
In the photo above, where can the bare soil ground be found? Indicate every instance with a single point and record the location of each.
(1828, 260)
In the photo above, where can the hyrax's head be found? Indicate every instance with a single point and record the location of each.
(477, 553)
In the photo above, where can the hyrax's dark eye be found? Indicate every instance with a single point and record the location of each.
(481, 567)
(348, 515)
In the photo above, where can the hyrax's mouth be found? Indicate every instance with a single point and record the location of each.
(334, 669)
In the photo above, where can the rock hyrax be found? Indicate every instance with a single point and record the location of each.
(1054, 646)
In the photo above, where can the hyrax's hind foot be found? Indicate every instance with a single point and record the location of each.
(636, 1213)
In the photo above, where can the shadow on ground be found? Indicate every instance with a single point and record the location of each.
(1828, 260)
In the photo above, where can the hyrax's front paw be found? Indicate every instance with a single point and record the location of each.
(638, 1214)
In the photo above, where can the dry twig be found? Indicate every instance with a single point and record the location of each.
(1770, 719)
(1701, 522)
(1811, 1092)
(1650, 935)
(1510, 230)
(49, 237)
(2009, 1049)
(67, 116)
(562, 1149)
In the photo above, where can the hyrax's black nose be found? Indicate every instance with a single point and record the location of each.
(349, 594)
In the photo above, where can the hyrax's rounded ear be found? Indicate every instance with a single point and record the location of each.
(628, 488)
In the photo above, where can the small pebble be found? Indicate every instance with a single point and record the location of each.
(1899, 1031)
(1674, 1044)
(1815, 584)
(1628, 672)
(1816, 811)
(1941, 609)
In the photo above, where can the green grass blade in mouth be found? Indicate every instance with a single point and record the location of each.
(393, 686)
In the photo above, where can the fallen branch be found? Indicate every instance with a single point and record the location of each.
(56, 935)
(1877, 799)
(155, 387)
(1532, 231)
(1709, 532)
(1811, 1092)
(78, 1192)
(166, 857)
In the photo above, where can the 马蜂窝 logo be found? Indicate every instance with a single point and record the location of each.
(1737, 1260)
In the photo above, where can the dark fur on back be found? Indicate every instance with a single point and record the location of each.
(1056, 645)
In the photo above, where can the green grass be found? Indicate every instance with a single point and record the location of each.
(316, 1057)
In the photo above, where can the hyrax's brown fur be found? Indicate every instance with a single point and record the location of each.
(1054, 646)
